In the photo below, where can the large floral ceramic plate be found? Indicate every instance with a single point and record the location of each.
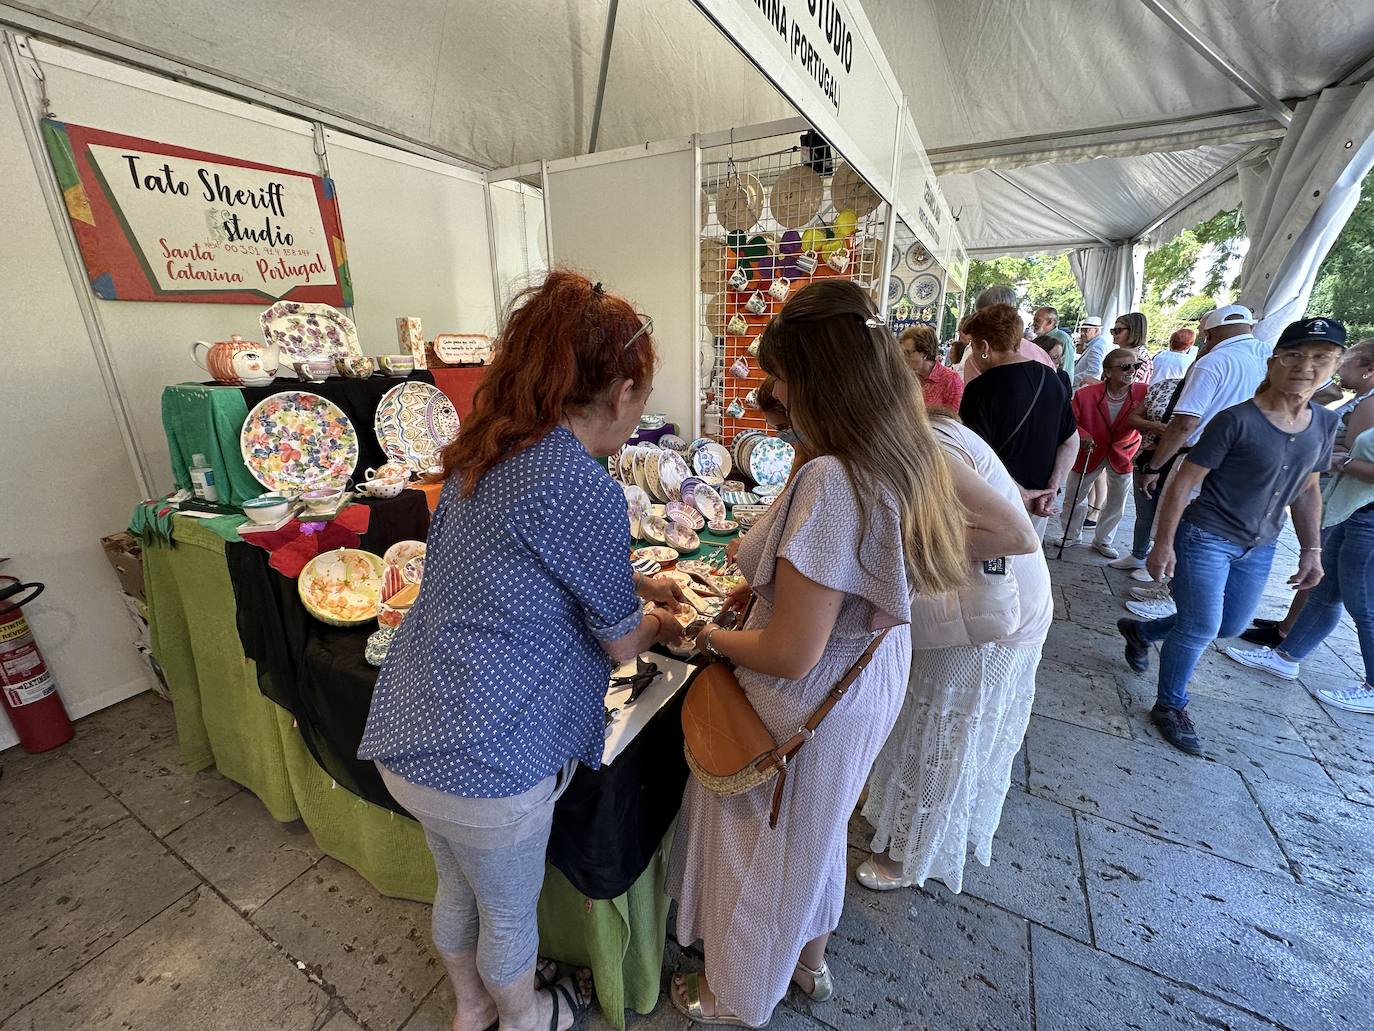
(925, 288)
(415, 421)
(919, 258)
(310, 332)
(297, 440)
(770, 462)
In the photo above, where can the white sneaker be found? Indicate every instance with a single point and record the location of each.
(1359, 698)
(1127, 561)
(1265, 659)
(1151, 592)
(1143, 575)
(1152, 609)
(1106, 550)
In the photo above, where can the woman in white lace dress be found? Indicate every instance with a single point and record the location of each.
(939, 782)
(870, 516)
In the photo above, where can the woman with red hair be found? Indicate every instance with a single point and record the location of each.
(494, 686)
(1174, 362)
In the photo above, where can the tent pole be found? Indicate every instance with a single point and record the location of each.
(605, 70)
(1051, 208)
(1218, 59)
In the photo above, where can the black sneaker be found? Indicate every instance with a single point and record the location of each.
(1177, 729)
(1137, 648)
(1267, 636)
(1089, 524)
(1262, 623)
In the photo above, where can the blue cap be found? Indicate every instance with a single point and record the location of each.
(1312, 331)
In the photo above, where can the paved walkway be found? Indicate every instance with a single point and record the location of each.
(1131, 887)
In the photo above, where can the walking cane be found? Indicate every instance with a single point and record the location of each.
(1064, 540)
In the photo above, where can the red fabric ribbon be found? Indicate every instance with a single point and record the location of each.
(296, 543)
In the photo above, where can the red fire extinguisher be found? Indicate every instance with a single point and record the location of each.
(27, 689)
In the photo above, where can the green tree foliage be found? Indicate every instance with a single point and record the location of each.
(1169, 295)
(1039, 280)
(1345, 282)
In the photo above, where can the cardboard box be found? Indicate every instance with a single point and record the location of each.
(126, 555)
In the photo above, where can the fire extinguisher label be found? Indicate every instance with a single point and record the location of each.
(34, 690)
(14, 630)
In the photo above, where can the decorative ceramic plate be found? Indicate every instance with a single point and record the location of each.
(740, 497)
(925, 288)
(402, 552)
(415, 421)
(295, 441)
(715, 265)
(717, 315)
(645, 566)
(672, 442)
(918, 257)
(625, 465)
(672, 470)
(659, 555)
(712, 461)
(770, 461)
(641, 476)
(310, 332)
(651, 465)
(895, 289)
(695, 567)
(766, 492)
(343, 587)
(708, 502)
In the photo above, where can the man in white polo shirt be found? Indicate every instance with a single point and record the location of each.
(1226, 375)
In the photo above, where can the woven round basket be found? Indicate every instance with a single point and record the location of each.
(739, 201)
(715, 266)
(848, 190)
(796, 197)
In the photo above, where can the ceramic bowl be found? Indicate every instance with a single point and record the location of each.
(682, 537)
(652, 420)
(343, 587)
(397, 365)
(266, 509)
(321, 499)
(723, 526)
(708, 502)
(382, 488)
(659, 555)
(654, 528)
(685, 514)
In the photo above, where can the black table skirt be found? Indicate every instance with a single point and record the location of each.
(607, 825)
(358, 398)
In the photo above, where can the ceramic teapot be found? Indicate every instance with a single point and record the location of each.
(238, 362)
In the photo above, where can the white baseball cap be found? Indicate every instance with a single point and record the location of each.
(1093, 320)
(1230, 315)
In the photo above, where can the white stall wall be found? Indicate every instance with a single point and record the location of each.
(631, 222)
(416, 232)
(517, 212)
(66, 478)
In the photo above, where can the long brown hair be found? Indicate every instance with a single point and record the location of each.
(850, 394)
(562, 346)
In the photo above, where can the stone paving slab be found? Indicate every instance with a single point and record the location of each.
(1182, 798)
(374, 951)
(1217, 676)
(1035, 871)
(343, 1022)
(247, 855)
(922, 960)
(1090, 700)
(199, 966)
(104, 737)
(1086, 649)
(47, 807)
(1347, 755)
(72, 908)
(1331, 840)
(1261, 941)
(160, 791)
(1080, 989)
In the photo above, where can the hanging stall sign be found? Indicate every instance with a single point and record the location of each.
(824, 57)
(156, 222)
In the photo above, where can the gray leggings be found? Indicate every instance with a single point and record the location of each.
(489, 856)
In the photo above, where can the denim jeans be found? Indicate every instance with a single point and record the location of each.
(1348, 559)
(1217, 587)
(1145, 505)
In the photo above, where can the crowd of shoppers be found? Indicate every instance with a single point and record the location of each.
(917, 502)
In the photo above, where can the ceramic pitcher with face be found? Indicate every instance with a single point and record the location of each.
(237, 362)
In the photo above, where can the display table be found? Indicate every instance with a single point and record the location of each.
(460, 383)
(615, 829)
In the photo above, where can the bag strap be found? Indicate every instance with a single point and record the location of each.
(1012, 435)
(785, 752)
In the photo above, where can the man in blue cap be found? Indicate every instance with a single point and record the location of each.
(1253, 461)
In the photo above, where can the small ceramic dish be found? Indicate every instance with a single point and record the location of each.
(733, 485)
(672, 442)
(382, 488)
(708, 502)
(655, 554)
(681, 537)
(688, 489)
(652, 420)
(695, 567)
(321, 499)
(685, 514)
(678, 577)
(722, 526)
(267, 508)
(654, 528)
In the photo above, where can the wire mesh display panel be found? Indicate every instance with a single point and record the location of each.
(771, 223)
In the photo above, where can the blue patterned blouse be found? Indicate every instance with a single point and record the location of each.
(497, 676)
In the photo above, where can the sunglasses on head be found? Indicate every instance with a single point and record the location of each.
(646, 323)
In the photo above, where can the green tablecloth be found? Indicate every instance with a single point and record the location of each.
(224, 721)
(201, 420)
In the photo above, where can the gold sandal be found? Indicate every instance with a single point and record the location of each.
(691, 984)
(823, 985)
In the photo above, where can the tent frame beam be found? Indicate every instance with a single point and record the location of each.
(1224, 174)
(605, 72)
(1242, 125)
(1051, 208)
(1243, 79)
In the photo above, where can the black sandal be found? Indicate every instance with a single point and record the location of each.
(545, 973)
(568, 993)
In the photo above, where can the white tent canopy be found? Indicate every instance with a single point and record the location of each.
(1054, 124)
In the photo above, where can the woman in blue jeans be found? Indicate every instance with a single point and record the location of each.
(1348, 558)
(1252, 462)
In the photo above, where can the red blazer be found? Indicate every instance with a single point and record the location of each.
(1113, 441)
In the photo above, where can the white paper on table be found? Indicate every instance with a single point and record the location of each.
(633, 717)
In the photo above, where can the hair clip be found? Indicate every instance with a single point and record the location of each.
(598, 289)
(874, 322)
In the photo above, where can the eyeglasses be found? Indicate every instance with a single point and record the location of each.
(1293, 359)
(1127, 368)
(646, 325)
(1118, 329)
